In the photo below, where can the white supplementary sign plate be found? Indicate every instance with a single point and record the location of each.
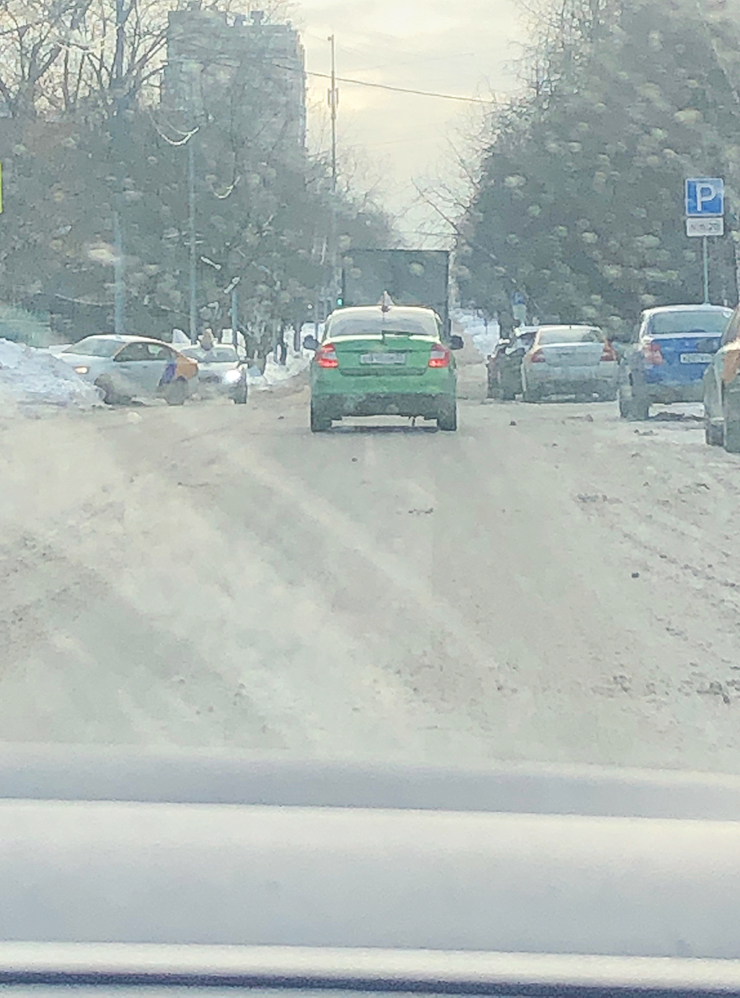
(705, 226)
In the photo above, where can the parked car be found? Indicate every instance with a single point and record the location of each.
(569, 360)
(127, 367)
(377, 360)
(505, 364)
(721, 391)
(668, 355)
(220, 371)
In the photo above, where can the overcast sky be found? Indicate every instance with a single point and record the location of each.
(465, 47)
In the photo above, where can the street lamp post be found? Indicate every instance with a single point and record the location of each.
(233, 289)
(191, 238)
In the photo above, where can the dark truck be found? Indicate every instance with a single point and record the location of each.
(411, 277)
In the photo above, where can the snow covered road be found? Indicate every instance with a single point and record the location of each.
(547, 584)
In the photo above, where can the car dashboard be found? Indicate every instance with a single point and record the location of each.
(145, 873)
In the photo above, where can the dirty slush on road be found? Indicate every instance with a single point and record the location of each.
(551, 584)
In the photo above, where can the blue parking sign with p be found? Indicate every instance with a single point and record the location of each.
(705, 196)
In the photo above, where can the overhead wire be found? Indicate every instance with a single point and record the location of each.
(388, 86)
(402, 90)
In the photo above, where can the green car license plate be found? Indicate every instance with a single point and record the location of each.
(383, 359)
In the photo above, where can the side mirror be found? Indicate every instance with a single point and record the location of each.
(310, 343)
(456, 342)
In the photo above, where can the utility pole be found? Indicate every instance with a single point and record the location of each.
(333, 105)
(119, 262)
(191, 236)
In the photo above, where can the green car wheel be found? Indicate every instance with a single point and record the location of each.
(320, 422)
(447, 418)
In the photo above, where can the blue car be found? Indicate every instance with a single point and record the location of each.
(666, 361)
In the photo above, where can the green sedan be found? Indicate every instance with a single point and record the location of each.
(383, 360)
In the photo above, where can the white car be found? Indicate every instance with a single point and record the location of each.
(570, 360)
(127, 367)
(220, 371)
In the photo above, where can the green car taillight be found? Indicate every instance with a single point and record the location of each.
(440, 356)
(326, 356)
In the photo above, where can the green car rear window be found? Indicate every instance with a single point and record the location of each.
(374, 325)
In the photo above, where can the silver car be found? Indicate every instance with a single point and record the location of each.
(570, 360)
(127, 367)
(220, 371)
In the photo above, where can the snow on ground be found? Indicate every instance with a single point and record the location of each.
(484, 333)
(160, 584)
(275, 373)
(295, 363)
(29, 376)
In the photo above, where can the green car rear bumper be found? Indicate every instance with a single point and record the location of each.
(424, 395)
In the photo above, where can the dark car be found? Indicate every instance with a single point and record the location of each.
(505, 363)
(666, 362)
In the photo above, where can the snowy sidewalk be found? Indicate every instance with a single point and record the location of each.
(278, 374)
(31, 377)
(34, 377)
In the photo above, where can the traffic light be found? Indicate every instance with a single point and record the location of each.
(340, 301)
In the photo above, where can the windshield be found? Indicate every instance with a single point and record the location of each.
(699, 321)
(218, 355)
(95, 346)
(374, 325)
(569, 334)
(379, 534)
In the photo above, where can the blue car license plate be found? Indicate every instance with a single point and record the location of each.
(696, 358)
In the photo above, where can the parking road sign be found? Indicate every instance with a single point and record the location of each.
(705, 197)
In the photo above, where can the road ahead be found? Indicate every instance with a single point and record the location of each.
(547, 584)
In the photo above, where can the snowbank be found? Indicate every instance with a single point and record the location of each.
(296, 362)
(29, 376)
(276, 374)
(485, 337)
